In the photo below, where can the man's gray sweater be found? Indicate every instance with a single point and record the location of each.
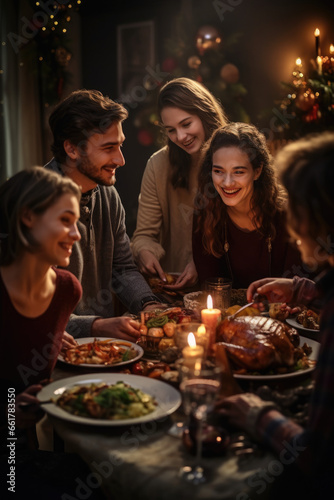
(102, 260)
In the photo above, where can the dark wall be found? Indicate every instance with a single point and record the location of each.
(271, 36)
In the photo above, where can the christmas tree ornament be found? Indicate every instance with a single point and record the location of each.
(194, 62)
(145, 138)
(62, 56)
(207, 37)
(169, 64)
(229, 73)
(305, 99)
(328, 65)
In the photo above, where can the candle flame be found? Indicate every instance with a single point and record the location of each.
(191, 339)
(316, 32)
(209, 302)
(319, 59)
(331, 49)
(298, 61)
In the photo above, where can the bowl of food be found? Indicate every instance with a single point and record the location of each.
(195, 301)
(158, 327)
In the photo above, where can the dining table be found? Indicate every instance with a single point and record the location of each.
(142, 460)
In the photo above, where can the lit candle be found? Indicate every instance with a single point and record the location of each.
(298, 62)
(211, 317)
(331, 49)
(317, 42)
(319, 63)
(192, 352)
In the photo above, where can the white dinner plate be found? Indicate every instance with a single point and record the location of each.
(167, 397)
(313, 356)
(86, 340)
(294, 323)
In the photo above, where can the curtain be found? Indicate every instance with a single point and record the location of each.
(21, 127)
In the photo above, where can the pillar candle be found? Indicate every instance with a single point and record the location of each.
(211, 317)
(317, 42)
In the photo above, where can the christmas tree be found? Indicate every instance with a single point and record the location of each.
(308, 103)
(201, 54)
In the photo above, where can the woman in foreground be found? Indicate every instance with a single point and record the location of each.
(38, 214)
(307, 172)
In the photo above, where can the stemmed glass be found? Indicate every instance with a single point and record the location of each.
(199, 386)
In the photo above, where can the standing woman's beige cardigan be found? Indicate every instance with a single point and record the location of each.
(164, 220)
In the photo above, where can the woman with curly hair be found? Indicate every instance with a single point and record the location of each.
(239, 223)
(161, 243)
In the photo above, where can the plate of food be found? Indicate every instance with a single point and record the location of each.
(297, 371)
(109, 399)
(101, 352)
(307, 320)
(294, 323)
(263, 349)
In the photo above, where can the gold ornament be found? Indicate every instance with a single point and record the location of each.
(62, 56)
(194, 62)
(229, 73)
(305, 99)
(207, 37)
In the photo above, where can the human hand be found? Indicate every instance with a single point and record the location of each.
(27, 409)
(275, 289)
(243, 410)
(120, 327)
(68, 341)
(148, 264)
(187, 278)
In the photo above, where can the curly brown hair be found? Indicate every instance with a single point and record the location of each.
(193, 97)
(268, 197)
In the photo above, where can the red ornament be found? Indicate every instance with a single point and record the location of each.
(169, 64)
(145, 138)
(229, 73)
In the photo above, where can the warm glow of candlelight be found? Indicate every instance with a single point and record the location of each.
(192, 352)
(319, 63)
(298, 61)
(331, 49)
(191, 340)
(201, 330)
(316, 32)
(198, 365)
(209, 302)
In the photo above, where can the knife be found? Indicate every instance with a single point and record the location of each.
(257, 298)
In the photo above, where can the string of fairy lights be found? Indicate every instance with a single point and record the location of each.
(44, 34)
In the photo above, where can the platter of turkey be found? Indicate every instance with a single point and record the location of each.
(262, 348)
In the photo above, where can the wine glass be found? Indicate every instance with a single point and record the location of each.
(199, 386)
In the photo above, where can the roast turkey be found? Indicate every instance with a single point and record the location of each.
(258, 343)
